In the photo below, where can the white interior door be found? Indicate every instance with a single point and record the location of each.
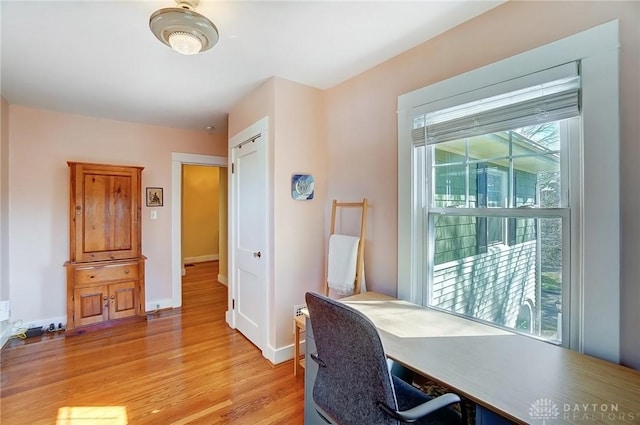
(249, 238)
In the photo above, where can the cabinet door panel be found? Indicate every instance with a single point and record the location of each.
(122, 300)
(106, 212)
(91, 305)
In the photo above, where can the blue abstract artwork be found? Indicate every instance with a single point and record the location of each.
(302, 187)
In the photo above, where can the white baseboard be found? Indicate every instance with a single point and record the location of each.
(281, 355)
(223, 279)
(202, 258)
(274, 355)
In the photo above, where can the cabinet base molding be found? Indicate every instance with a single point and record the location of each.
(105, 325)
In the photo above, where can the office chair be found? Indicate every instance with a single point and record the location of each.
(354, 385)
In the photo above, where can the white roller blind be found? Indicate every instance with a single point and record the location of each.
(550, 101)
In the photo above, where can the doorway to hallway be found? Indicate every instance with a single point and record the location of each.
(178, 160)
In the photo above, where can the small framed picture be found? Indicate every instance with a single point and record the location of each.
(302, 187)
(154, 197)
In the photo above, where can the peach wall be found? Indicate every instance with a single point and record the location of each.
(362, 124)
(260, 103)
(40, 144)
(200, 232)
(5, 290)
(300, 148)
(296, 145)
(4, 200)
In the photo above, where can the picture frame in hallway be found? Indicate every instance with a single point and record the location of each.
(154, 197)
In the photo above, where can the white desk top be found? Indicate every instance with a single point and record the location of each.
(518, 377)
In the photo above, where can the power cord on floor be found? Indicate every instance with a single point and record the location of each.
(21, 332)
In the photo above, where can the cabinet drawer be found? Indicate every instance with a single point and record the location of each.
(105, 273)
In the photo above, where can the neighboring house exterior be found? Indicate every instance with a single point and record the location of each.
(488, 267)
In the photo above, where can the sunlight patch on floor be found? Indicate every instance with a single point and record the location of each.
(95, 415)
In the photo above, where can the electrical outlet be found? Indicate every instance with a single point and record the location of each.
(152, 307)
(297, 310)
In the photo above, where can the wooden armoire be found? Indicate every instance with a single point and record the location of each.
(105, 271)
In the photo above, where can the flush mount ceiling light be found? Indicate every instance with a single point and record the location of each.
(183, 29)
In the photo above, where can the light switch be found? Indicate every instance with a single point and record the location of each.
(154, 214)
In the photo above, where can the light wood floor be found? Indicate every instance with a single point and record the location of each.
(184, 367)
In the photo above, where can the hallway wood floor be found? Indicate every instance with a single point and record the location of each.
(178, 367)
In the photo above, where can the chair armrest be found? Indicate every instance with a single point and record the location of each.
(423, 409)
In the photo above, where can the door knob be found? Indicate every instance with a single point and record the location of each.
(257, 254)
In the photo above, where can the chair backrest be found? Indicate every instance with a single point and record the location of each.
(353, 375)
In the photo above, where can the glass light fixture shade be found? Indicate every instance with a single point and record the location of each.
(185, 43)
(190, 32)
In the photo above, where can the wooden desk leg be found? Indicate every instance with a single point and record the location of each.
(296, 348)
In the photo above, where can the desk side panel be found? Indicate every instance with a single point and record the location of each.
(311, 416)
(487, 417)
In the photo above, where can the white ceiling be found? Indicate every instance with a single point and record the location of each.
(99, 58)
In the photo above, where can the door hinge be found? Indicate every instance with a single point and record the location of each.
(233, 168)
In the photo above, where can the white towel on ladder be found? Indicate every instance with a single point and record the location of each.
(341, 263)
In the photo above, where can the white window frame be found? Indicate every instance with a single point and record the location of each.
(595, 224)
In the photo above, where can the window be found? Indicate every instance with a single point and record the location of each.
(494, 241)
(522, 219)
